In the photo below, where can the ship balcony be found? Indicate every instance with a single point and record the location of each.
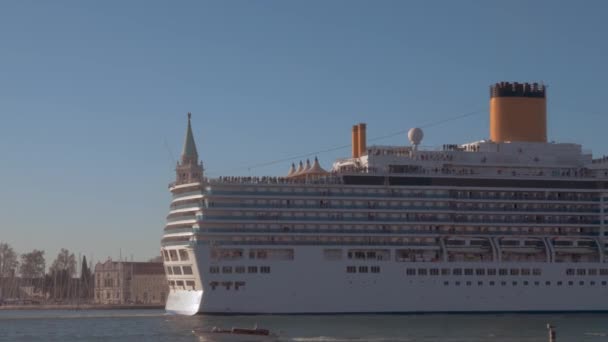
(522, 249)
(467, 245)
(575, 250)
(180, 231)
(590, 256)
(177, 222)
(189, 194)
(194, 205)
(468, 249)
(178, 243)
(175, 186)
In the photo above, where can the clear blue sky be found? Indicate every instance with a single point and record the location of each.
(94, 95)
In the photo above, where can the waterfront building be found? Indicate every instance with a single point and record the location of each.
(121, 282)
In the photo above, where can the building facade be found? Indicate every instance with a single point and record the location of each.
(119, 282)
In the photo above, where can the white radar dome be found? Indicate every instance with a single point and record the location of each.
(415, 135)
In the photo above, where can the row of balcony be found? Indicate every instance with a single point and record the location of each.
(368, 242)
(325, 206)
(386, 231)
(336, 194)
(419, 219)
(186, 194)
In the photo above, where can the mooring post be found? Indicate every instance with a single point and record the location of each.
(551, 330)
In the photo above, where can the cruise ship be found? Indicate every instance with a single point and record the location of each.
(511, 223)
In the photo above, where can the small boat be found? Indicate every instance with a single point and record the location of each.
(235, 334)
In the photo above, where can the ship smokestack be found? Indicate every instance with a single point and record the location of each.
(362, 140)
(355, 141)
(518, 112)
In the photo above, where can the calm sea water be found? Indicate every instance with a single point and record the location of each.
(154, 325)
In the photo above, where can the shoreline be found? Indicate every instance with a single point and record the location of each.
(83, 307)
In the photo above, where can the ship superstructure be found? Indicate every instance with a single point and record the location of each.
(512, 223)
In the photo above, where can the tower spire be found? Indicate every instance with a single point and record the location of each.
(189, 153)
(188, 169)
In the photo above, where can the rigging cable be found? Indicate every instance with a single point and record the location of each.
(335, 148)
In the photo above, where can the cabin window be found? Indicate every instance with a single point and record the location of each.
(559, 283)
(410, 271)
(265, 269)
(239, 269)
(434, 271)
(468, 271)
(375, 269)
(526, 283)
(169, 271)
(351, 269)
(536, 271)
(214, 269)
(362, 269)
(457, 271)
(177, 270)
(502, 271)
(480, 271)
(570, 271)
(422, 271)
(515, 271)
(187, 269)
(252, 269)
(525, 271)
(445, 271)
(581, 283)
(190, 284)
(183, 255)
(547, 283)
(592, 271)
(227, 269)
(491, 271)
(492, 283)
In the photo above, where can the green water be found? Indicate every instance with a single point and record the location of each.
(154, 325)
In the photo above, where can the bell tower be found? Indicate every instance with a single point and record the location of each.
(188, 169)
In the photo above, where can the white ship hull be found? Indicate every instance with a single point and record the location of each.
(308, 284)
